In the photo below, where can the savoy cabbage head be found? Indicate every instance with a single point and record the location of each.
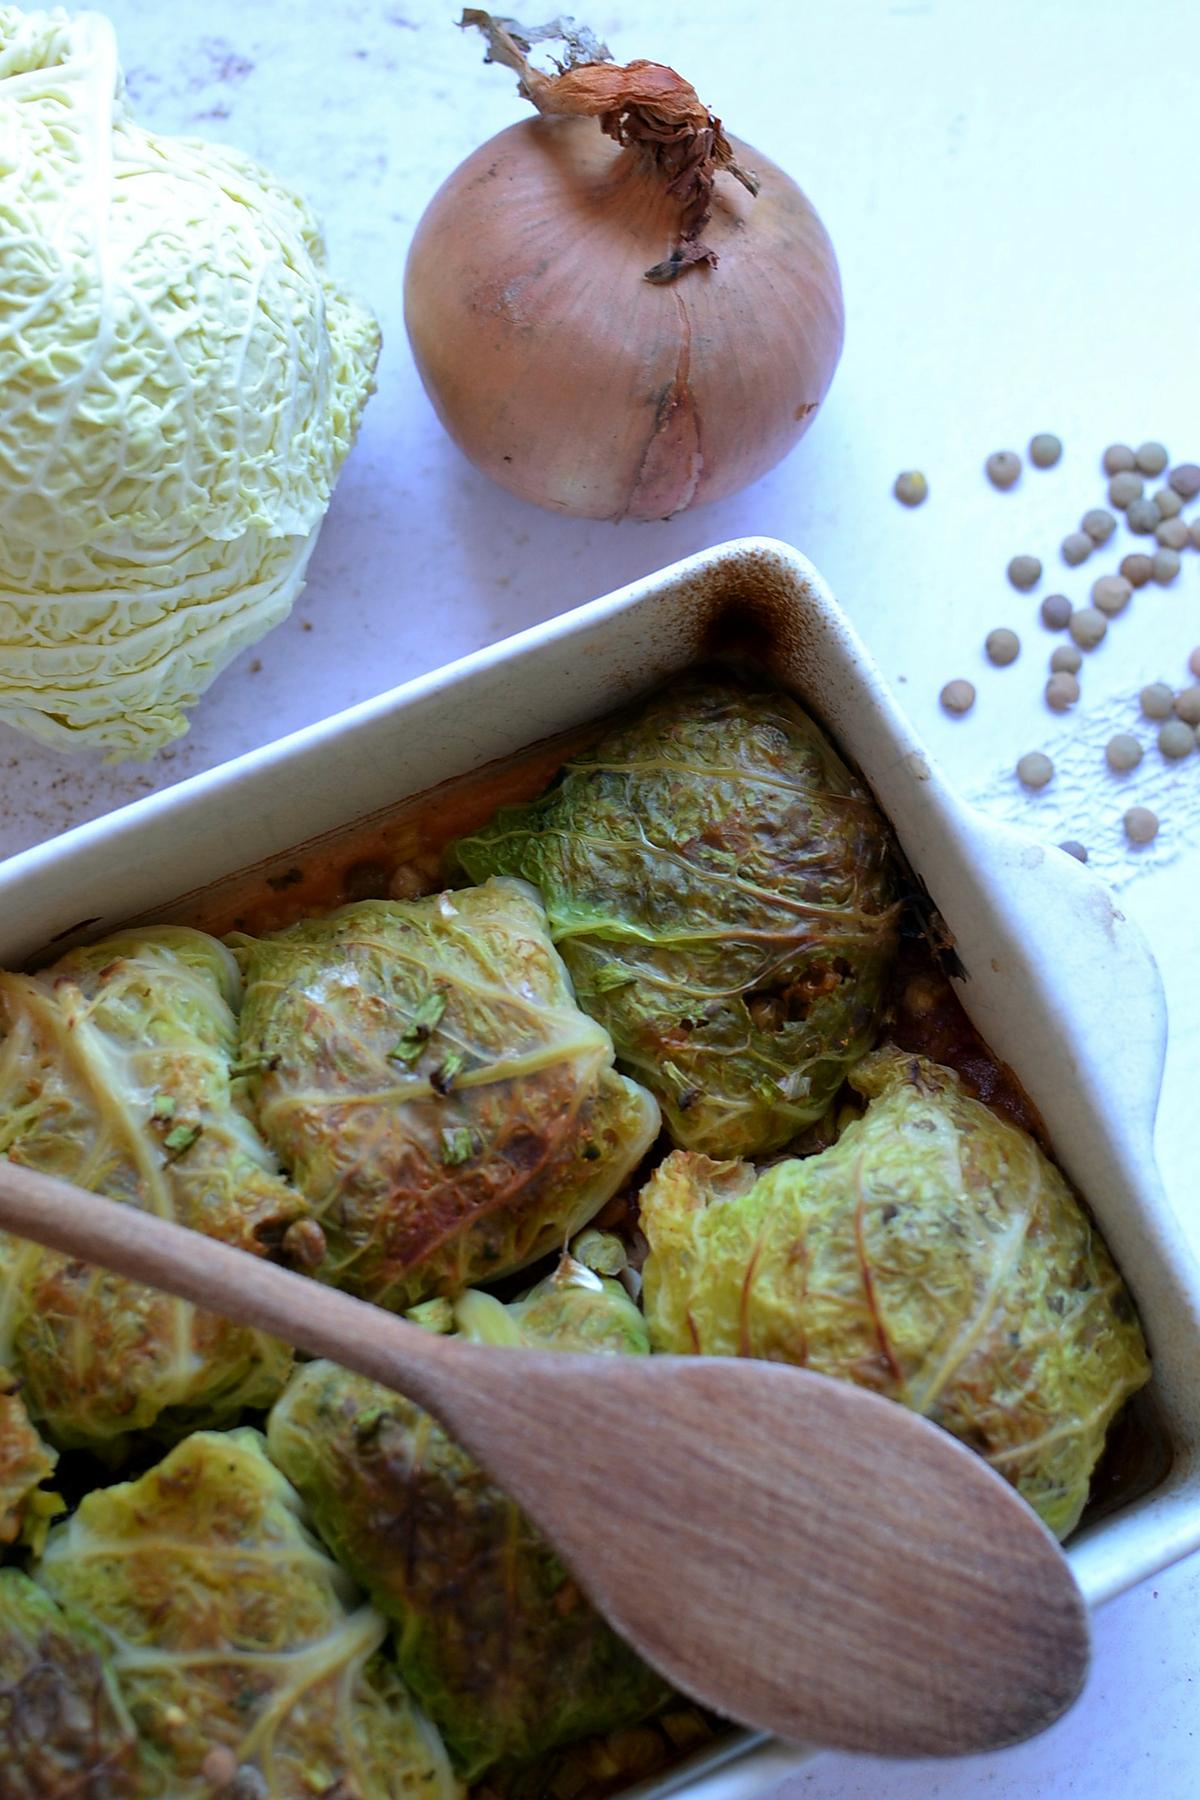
(180, 381)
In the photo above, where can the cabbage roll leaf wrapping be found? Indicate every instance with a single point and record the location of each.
(492, 1635)
(25, 1463)
(719, 887)
(64, 1733)
(231, 1631)
(116, 1072)
(428, 1081)
(933, 1254)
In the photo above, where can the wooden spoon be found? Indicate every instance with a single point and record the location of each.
(796, 1553)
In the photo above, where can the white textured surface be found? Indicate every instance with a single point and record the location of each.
(1009, 193)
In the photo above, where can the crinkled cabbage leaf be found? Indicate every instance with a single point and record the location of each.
(25, 1463)
(933, 1254)
(230, 1630)
(117, 1073)
(719, 887)
(64, 1732)
(426, 1078)
(492, 1635)
(180, 382)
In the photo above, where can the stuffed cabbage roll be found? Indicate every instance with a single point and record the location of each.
(425, 1076)
(720, 888)
(933, 1254)
(492, 1635)
(64, 1732)
(25, 1463)
(238, 1646)
(117, 1071)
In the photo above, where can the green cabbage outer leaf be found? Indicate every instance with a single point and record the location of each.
(719, 887)
(431, 1086)
(180, 381)
(932, 1254)
(492, 1635)
(229, 1628)
(64, 1732)
(572, 1309)
(115, 1073)
(25, 1462)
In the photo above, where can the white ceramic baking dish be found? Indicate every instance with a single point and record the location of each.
(1058, 982)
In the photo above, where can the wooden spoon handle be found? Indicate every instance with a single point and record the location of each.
(225, 1280)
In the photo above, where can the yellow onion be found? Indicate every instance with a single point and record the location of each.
(620, 322)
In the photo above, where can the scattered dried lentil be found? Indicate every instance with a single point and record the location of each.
(1194, 662)
(1062, 691)
(1142, 516)
(1157, 701)
(1150, 458)
(1123, 752)
(1173, 534)
(1175, 739)
(1166, 566)
(1002, 646)
(957, 697)
(1099, 524)
(1118, 458)
(1044, 450)
(1056, 612)
(1074, 848)
(1111, 594)
(1124, 488)
(1187, 705)
(1066, 660)
(910, 487)
(1034, 770)
(1141, 825)
(1185, 479)
(1087, 627)
(1024, 572)
(1076, 547)
(1137, 569)
(1002, 468)
(1196, 533)
(1168, 503)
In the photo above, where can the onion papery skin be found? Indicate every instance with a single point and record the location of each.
(574, 382)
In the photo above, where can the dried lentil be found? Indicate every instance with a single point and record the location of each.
(1194, 662)
(1066, 660)
(1074, 848)
(1111, 594)
(1062, 691)
(1185, 479)
(957, 697)
(1141, 825)
(1002, 468)
(1044, 450)
(1157, 701)
(1056, 612)
(1175, 739)
(1187, 705)
(1142, 516)
(1118, 458)
(1076, 547)
(1150, 458)
(1099, 524)
(1168, 503)
(1123, 752)
(1173, 534)
(1125, 488)
(1087, 627)
(1137, 569)
(1166, 566)
(911, 487)
(1024, 572)
(1035, 770)
(1002, 646)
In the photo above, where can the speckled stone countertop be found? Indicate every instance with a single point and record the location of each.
(1009, 193)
